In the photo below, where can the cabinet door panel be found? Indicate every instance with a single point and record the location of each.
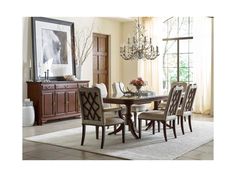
(60, 102)
(72, 101)
(48, 104)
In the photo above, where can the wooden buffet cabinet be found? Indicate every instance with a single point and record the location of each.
(55, 99)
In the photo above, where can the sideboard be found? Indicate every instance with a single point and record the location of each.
(55, 99)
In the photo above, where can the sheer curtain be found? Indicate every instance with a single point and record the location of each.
(203, 64)
(149, 70)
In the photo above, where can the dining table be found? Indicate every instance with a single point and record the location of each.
(128, 101)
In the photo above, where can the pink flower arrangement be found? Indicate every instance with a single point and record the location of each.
(138, 82)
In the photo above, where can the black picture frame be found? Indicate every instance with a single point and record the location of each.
(53, 48)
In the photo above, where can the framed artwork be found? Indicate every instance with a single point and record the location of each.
(53, 48)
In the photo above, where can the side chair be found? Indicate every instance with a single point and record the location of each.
(164, 116)
(93, 113)
(186, 108)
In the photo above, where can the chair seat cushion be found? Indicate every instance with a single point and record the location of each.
(152, 115)
(155, 115)
(185, 113)
(113, 121)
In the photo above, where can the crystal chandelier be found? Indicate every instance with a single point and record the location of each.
(139, 47)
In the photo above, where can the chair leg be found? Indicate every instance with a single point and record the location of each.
(83, 134)
(164, 130)
(182, 124)
(103, 136)
(174, 130)
(135, 119)
(146, 122)
(97, 132)
(170, 123)
(115, 129)
(178, 120)
(158, 124)
(123, 133)
(139, 127)
(189, 122)
(153, 127)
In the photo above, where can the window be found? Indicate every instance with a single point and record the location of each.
(177, 58)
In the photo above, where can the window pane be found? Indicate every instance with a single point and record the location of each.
(190, 26)
(183, 27)
(172, 60)
(184, 46)
(190, 58)
(183, 74)
(171, 46)
(172, 27)
(183, 60)
(172, 74)
(190, 75)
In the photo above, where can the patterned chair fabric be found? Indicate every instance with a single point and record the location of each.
(184, 84)
(91, 107)
(169, 114)
(92, 113)
(186, 107)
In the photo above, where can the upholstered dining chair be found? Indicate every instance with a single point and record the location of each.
(109, 108)
(93, 113)
(162, 105)
(186, 108)
(169, 114)
(118, 87)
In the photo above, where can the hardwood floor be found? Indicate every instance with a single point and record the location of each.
(39, 151)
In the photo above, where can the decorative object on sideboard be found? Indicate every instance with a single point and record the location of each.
(30, 71)
(70, 78)
(83, 47)
(139, 47)
(51, 54)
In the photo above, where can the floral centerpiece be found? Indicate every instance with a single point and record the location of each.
(138, 83)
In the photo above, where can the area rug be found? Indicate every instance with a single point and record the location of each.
(150, 147)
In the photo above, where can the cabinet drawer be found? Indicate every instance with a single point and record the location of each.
(82, 85)
(66, 86)
(48, 87)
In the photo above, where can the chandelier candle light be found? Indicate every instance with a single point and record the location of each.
(139, 47)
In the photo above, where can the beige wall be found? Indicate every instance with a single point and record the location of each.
(110, 27)
(129, 68)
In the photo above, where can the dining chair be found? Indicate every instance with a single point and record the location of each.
(109, 108)
(169, 114)
(186, 108)
(162, 105)
(118, 89)
(92, 112)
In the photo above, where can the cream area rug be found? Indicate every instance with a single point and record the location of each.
(150, 147)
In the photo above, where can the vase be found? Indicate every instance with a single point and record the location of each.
(78, 71)
(138, 88)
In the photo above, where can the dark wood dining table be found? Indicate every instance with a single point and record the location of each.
(129, 101)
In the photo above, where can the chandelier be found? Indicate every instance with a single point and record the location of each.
(139, 47)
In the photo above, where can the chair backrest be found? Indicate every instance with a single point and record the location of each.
(184, 84)
(102, 88)
(118, 87)
(173, 100)
(189, 98)
(91, 106)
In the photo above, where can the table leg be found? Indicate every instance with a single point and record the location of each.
(130, 122)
